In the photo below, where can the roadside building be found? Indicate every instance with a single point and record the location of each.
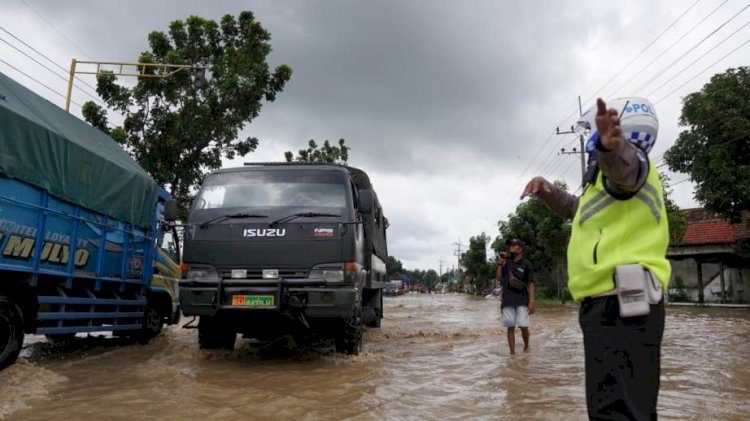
(712, 263)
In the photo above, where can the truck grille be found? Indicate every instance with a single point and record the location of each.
(258, 274)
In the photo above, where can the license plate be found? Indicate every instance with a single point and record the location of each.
(253, 300)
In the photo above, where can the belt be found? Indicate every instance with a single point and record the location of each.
(602, 295)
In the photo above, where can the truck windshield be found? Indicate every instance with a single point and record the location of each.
(273, 188)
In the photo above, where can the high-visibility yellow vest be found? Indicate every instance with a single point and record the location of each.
(608, 232)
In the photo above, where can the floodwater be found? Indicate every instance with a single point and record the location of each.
(435, 357)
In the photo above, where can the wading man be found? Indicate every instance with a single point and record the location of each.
(517, 293)
(616, 258)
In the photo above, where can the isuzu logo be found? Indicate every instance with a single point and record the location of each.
(264, 232)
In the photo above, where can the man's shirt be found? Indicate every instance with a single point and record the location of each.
(523, 270)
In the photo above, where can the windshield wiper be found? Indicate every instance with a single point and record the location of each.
(301, 215)
(235, 215)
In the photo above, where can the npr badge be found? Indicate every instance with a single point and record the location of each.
(323, 232)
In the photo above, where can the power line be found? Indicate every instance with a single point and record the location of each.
(684, 69)
(679, 39)
(701, 72)
(680, 182)
(547, 163)
(626, 66)
(675, 61)
(50, 70)
(687, 52)
(36, 80)
(46, 58)
(55, 28)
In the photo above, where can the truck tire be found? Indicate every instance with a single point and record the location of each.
(370, 314)
(349, 341)
(176, 316)
(152, 324)
(11, 332)
(212, 335)
(376, 323)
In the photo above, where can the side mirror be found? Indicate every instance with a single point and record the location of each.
(170, 210)
(366, 201)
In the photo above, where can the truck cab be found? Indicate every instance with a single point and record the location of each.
(274, 249)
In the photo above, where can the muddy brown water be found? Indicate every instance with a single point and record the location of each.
(435, 357)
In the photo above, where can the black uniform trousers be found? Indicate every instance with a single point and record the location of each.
(622, 360)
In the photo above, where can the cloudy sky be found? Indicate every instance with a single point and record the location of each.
(450, 106)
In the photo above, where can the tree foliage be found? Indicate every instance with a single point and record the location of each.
(544, 234)
(714, 148)
(676, 217)
(427, 279)
(176, 129)
(393, 265)
(325, 153)
(479, 271)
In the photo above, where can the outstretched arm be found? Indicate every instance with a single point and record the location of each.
(558, 200)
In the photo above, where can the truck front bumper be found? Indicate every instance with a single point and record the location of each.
(314, 297)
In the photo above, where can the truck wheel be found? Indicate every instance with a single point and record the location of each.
(212, 335)
(377, 321)
(371, 315)
(349, 340)
(152, 324)
(176, 316)
(11, 332)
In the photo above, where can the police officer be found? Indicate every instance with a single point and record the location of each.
(619, 220)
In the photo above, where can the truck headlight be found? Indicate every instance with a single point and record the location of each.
(202, 273)
(336, 273)
(330, 275)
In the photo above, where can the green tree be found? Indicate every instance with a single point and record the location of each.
(676, 217)
(478, 270)
(393, 265)
(176, 129)
(714, 148)
(545, 236)
(431, 278)
(325, 153)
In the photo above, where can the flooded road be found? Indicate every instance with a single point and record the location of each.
(435, 357)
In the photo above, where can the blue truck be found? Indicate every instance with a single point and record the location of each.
(80, 231)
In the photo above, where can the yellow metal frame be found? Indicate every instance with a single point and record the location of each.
(166, 70)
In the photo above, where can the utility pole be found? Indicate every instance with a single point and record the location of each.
(441, 261)
(457, 252)
(582, 151)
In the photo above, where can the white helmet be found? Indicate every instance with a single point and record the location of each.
(638, 122)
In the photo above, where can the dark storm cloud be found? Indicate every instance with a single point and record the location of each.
(387, 76)
(444, 103)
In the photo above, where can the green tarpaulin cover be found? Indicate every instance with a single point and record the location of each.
(43, 145)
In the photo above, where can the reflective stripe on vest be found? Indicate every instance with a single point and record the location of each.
(654, 203)
(608, 232)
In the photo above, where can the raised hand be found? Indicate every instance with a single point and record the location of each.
(608, 124)
(536, 185)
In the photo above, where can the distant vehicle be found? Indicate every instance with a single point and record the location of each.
(390, 290)
(285, 248)
(398, 285)
(79, 229)
(495, 293)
